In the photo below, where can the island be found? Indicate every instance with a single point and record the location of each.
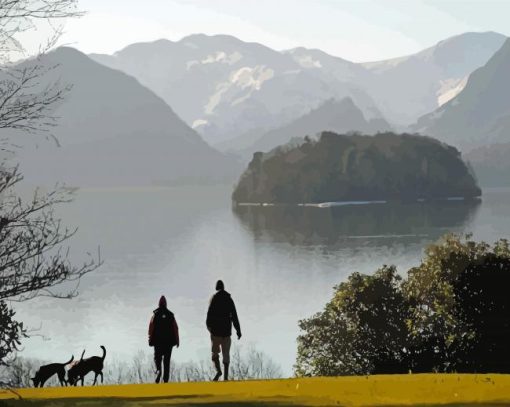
(356, 167)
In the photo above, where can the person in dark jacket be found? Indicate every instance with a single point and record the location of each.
(220, 317)
(163, 335)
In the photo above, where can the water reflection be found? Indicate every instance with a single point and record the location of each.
(347, 224)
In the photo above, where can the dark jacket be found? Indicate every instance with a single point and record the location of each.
(163, 329)
(222, 314)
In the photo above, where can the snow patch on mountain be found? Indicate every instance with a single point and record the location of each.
(241, 85)
(247, 77)
(199, 122)
(307, 61)
(450, 88)
(222, 57)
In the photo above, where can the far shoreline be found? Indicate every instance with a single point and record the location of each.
(331, 204)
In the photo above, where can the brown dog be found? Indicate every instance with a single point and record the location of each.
(46, 371)
(79, 370)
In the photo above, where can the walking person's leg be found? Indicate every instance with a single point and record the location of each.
(225, 350)
(166, 364)
(157, 361)
(215, 351)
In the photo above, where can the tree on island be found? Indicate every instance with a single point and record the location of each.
(353, 167)
(33, 258)
(450, 314)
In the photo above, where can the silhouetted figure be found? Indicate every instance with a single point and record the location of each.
(220, 316)
(163, 335)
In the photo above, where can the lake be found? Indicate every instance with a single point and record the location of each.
(279, 263)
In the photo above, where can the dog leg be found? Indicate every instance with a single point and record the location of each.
(101, 373)
(95, 379)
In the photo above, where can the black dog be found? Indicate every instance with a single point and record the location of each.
(46, 371)
(93, 364)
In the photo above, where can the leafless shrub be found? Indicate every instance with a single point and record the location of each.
(248, 365)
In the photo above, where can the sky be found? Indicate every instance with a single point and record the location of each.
(357, 30)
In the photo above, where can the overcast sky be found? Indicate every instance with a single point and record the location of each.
(358, 30)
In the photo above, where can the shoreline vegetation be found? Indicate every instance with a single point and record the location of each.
(346, 203)
(357, 168)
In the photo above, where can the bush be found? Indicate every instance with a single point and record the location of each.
(451, 314)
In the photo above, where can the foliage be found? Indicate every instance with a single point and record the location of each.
(460, 307)
(10, 334)
(451, 314)
(337, 167)
(360, 331)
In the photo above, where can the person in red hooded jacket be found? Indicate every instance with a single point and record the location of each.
(163, 336)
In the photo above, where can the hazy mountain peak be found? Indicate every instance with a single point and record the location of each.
(467, 38)
(217, 38)
(115, 131)
(160, 45)
(480, 114)
(69, 54)
(490, 39)
(331, 115)
(408, 87)
(315, 52)
(195, 76)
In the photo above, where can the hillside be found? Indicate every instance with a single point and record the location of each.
(480, 114)
(114, 131)
(335, 168)
(337, 116)
(491, 164)
(408, 87)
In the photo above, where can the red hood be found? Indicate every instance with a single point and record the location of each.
(162, 302)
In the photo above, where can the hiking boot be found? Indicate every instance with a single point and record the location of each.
(225, 378)
(218, 369)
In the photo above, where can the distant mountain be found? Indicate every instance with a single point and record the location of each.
(408, 87)
(337, 116)
(328, 65)
(114, 131)
(224, 87)
(337, 167)
(491, 164)
(480, 114)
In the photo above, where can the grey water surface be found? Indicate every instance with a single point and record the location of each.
(279, 263)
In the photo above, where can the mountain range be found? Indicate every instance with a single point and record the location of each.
(121, 123)
(114, 131)
(226, 88)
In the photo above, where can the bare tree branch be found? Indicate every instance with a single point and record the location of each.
(18, 16)
(34, 260)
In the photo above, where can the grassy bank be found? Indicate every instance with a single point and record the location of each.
(395, 390)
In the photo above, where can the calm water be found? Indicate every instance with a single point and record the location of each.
(280, 264)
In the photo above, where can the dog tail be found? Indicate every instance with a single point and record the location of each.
(104, 351)
(69, 361)
(83, 353)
